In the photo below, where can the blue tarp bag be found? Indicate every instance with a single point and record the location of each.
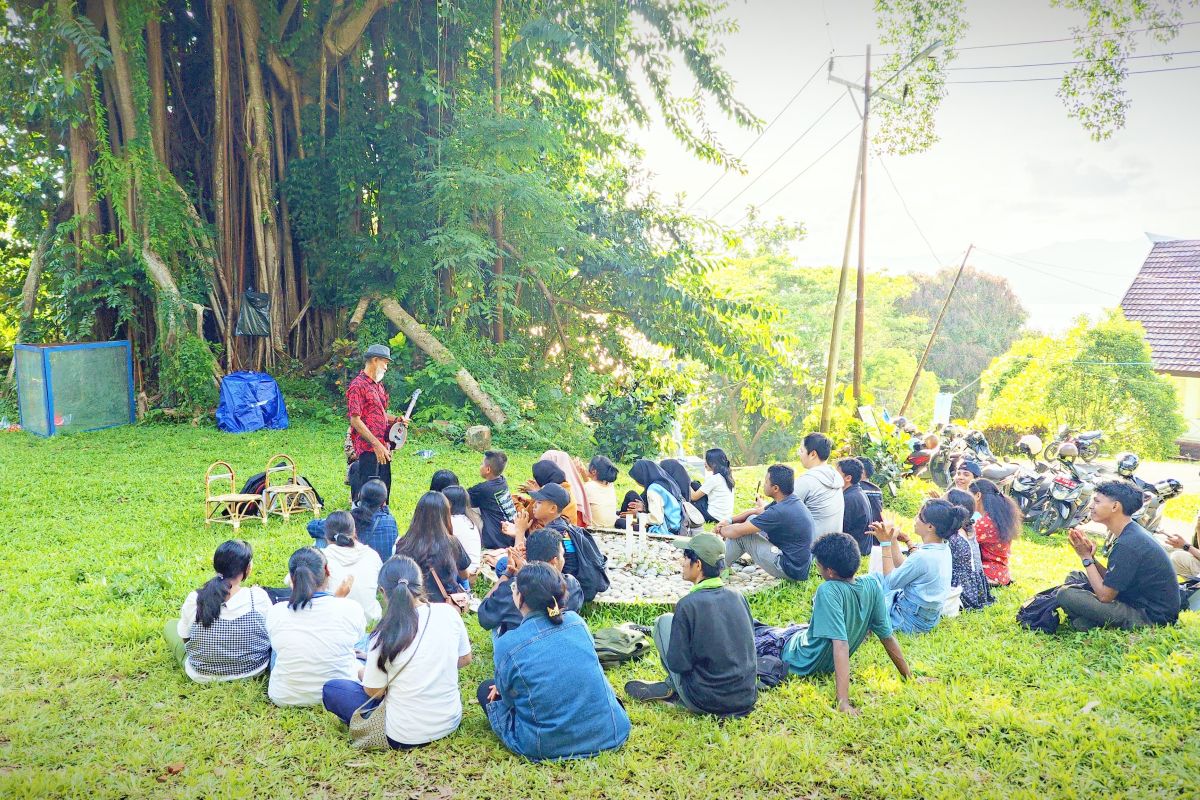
(250, 401)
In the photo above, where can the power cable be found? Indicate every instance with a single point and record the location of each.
(1026, 261)
(1058, 277)
(762, 133)
(787, 150)
(1059, 77)
(911, 218)
(1075, 62)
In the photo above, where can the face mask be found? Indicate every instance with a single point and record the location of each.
(976, 517)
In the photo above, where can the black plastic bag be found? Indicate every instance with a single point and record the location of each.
(254, 318)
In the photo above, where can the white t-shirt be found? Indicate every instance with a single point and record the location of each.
(468, 536)
(238, 604)
(364, 564)
(720, 496)
(313, 645)
(423, 700)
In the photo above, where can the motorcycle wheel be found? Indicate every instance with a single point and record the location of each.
(1088, 454)
(1051, 451)
(1050, 521)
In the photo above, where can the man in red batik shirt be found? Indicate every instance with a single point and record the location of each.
(366, 405)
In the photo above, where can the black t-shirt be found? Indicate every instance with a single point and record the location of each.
(857, 517)
(874, 497)
(1141, 572)
(788, 525)
(448, 577)
(495, 505)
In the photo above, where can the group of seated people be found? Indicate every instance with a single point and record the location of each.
(313, 633)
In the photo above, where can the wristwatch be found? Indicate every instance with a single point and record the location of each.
(1087, 562)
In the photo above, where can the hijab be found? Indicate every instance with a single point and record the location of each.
(646, 472)
(678, 473)
(562, 462)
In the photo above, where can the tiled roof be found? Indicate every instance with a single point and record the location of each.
(1165, 298)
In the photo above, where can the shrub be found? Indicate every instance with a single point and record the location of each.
(187, 377)
(633, 416)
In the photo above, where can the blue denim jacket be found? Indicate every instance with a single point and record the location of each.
(381, 538)
(554, 699)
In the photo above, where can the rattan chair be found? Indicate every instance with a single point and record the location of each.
(232, 507)
(283, 493)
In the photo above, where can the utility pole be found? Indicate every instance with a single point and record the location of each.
(912, 387)
(859, 191)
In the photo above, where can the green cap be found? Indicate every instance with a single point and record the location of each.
(708, 546)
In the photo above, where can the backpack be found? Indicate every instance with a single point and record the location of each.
(591, 574)
(1040, 612)
(255, 484)
(618, 645)
(691, 521)
(1189, 594)
(771, 672)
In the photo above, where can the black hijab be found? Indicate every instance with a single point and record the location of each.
(646, 472)
(547, 472)
(679, 474)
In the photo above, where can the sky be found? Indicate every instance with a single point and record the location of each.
(1063, 217)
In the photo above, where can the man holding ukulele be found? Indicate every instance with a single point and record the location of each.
(366, 405)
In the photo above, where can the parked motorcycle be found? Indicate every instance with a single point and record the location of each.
(1087, 443)
(1066, 491)
(1154, 494)
(1019, 482)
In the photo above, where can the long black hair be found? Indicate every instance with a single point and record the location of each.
(460, 501)
(679, 475)
(606, 471)
(945, 517)
(1003, 510)
(371, 498)
(718, 462)
(307, 570)
(542, 588)
(429, 540)
(963, 500)
(441, 479)
(339, 529)
(400, 581)
(230, 562)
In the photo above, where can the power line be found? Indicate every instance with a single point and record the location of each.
(762, 133)
(777, 192)
(1059, 77)
(1055, 277)
(1075, 62)
(904, 205)
(1025, 261)
(787, 150)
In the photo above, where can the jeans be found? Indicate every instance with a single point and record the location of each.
(342, 698)
(909, 617)
(760, 550)
(662, 640)
(1085, 611)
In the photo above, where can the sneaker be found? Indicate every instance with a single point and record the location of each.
(646, 629)
(649, 690)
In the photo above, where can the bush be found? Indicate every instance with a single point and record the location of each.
(187, 376)
(908, 499)
(1003, 438)
(633, 416)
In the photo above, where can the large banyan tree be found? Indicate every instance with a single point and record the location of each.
(459, 166)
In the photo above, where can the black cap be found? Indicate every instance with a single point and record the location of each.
(553, 493)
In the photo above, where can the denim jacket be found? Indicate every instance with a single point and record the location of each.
(554, 699)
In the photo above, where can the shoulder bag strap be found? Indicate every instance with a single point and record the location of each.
(416, 646)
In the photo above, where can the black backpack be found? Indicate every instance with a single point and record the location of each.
(1040, 612)
(255, 483)
(591, 572)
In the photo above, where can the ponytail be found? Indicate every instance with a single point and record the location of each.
(400, 582)
(718, 462)
(307, 569)
(1002, 509)
(542, 588)
(963, 500)
(945, 517)
(339, 529)
(231, 562)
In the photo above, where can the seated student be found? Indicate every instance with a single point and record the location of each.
(549, 698)
(581, 557)
(917, 586)
(664, 503)
(443, 478)
(857, 514)
(819, 487)
(678, 473)
(545, 473)
(313, 634)
(1185, 556)
(598, 486)
(845, 609)
(373, 522)
(498, 613)
(493, 500)
(873, 493)
(714, 496)
(412, 667)
(221, 632)
(350, 558)
(966, 565)
(461, 526)
(707, 645)
(964, 474)
(777, 537)
(632, 504)
(998, 525)
(1138, 586)
(430, 542)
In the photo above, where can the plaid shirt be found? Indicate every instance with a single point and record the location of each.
(369, 400)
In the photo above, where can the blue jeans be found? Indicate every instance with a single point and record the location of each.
(343, 697)
(909, 617)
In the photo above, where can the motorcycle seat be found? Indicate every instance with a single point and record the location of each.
(1087, 436)
(998, 472)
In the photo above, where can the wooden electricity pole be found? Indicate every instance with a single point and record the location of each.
(912, 387)
(860, 302)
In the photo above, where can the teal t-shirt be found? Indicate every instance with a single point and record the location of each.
(843, 611)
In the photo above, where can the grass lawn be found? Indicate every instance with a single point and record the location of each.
(106, 538)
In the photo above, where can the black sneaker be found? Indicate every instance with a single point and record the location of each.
(649, 690)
